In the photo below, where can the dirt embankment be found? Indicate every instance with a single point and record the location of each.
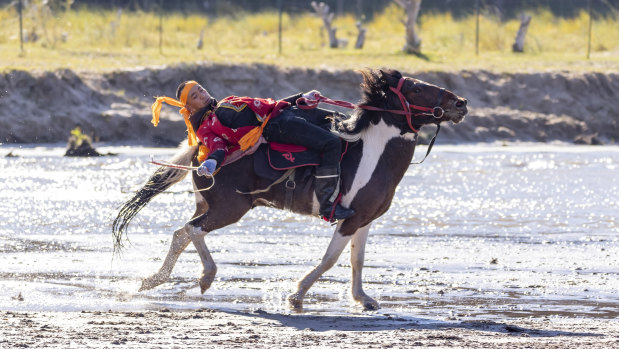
(541, 107)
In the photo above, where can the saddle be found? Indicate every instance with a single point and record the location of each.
(278, 162)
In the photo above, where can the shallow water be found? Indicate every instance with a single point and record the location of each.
(477, 231)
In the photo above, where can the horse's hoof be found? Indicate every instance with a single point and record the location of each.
(295, 302)
(205, 282)
(367, 302)
(370, 305)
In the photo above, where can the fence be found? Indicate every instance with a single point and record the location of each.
(33, 12)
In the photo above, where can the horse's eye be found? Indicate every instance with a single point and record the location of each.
(417, 89)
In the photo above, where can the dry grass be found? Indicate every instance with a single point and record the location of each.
(95, 40)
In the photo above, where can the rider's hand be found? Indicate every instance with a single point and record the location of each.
(207, 168)
(312, 95)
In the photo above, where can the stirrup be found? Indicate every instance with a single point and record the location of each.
(338, 211)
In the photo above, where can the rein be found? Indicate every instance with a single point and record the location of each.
(407, 109)
(184, 168)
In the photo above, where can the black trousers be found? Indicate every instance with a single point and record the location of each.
(301, 127)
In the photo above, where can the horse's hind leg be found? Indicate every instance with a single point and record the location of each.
(215, 218)
(336, 246)
(180, 240)
(357, 254)
(208, 263)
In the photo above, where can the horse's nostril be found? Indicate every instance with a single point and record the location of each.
(459, 104)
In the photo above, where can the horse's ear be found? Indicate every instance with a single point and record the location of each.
(390, 77)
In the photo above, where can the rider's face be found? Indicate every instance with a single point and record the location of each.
(197, 98)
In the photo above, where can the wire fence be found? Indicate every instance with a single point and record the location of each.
(363, 10)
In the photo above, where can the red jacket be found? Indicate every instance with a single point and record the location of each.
(219, 137)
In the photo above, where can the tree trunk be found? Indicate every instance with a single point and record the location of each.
(413, 42)
(322, 10)
(518, 45)
(360, 36)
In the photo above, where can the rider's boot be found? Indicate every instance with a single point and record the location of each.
(327, 189)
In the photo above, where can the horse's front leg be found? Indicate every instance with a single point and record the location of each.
(336, 246)
(180, 240)
(357, 254)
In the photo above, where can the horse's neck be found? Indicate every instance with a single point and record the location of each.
(385, 153)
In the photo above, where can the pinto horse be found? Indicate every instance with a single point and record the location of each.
(382, 133)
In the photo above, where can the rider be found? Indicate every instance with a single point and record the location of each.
(238, 122)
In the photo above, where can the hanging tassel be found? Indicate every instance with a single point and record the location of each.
(252, 137)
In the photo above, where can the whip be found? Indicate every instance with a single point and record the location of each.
(184, 168)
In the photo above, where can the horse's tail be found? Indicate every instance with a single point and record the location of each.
(158, 182)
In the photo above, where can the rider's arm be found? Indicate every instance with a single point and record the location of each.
(236, 116)
(215, 143)
(292, 99)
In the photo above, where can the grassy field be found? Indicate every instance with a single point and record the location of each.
(96, 40)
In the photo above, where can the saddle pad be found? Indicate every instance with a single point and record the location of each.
(281, 147)
(272, 164)
(284, 160)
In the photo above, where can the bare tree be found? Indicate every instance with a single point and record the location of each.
(413, 42)
(322, 10)
(518, 45)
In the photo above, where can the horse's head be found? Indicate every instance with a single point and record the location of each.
(410, 101)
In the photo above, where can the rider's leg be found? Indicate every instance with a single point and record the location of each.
(292, 129)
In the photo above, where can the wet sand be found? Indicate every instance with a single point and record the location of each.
(260, 329)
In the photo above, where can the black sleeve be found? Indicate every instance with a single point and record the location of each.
(293, 99)
(232, 118)
(219, 156)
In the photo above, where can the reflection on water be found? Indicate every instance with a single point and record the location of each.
(475, 232)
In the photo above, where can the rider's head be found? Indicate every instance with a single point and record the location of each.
(193, 95)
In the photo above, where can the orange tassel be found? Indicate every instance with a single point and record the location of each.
(202, 153)
(252, 137)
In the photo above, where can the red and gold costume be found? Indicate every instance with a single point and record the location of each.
(235, 123)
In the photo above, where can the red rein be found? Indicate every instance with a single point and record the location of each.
(304, 103)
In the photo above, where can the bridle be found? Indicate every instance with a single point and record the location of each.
(407, 109)
(437, 112)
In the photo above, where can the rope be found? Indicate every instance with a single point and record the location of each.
(187, 168)
(258, 191)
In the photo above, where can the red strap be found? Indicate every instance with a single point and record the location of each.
(304, 103)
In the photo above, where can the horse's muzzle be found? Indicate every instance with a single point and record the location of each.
(460, 110)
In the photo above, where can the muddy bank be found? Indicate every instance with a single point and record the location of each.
(540, 107)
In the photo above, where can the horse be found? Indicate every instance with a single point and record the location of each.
(382, 133)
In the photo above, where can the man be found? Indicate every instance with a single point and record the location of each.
(238, 122)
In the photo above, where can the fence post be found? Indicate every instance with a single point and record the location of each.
(279, 38)
(477, 28)
(21, 27)
(590, 28)
(161, 27)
